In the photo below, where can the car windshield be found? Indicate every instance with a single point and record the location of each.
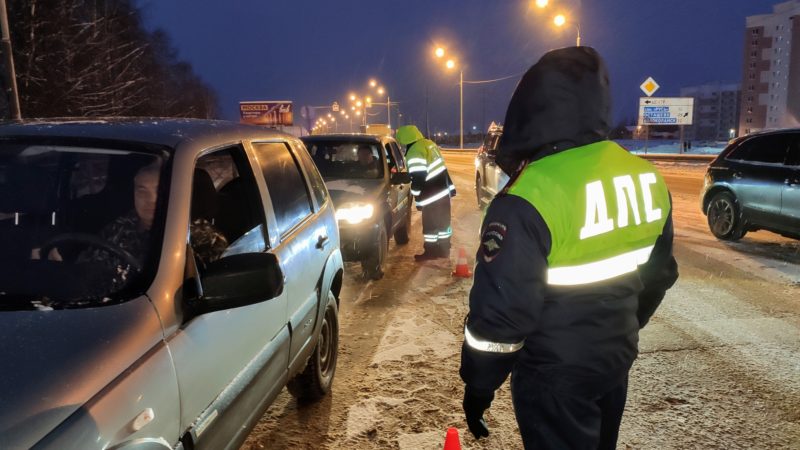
(347, 159)
(77, 224)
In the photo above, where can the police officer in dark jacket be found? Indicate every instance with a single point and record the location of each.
(575, 256)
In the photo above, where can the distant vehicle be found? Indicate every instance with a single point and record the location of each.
(489, 177)
(368, 180)
(161, 281)
(755, 184)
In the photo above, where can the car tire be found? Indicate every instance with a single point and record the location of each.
(316, 379)
(401, 234)
(373, 264)
(724, 217)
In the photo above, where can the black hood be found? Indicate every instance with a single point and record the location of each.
(562, 102)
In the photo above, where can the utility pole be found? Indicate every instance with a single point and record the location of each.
(10, 74)
(461, 115)
(427, 121)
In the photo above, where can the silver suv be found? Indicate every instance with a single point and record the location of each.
(489, 177)
(160, 282)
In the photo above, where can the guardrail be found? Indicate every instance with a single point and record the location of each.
(668, 157)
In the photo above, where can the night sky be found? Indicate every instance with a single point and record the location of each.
(315, 52)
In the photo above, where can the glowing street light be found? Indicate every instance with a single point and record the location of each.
(352, 97)
(560, 20)
(358, 103)
(373, 83)
(541, 3)
(381, 90)
(451, 64)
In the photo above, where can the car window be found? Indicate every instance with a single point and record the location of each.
(226, 215)
(793, 159)
(346, 159)
(287, 188)
(398, 155)
(390, 157)
(495, 139)
(317, 184)
(770, 149)
(79, 226)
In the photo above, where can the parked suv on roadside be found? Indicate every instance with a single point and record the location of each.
(489, 177)
(755, 184)
(371, 190)
(160, 282)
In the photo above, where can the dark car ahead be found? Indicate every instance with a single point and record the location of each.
(371, 190)
(161, 281)
(755, 184)
(489, 177)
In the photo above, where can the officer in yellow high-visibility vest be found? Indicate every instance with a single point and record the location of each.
(432, 188)
(575, 256)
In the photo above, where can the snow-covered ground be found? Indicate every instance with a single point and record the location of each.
(639, 146)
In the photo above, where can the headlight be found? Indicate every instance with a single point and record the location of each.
(354, 213)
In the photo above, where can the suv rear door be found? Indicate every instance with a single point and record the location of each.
(304, 240)
(790, 201)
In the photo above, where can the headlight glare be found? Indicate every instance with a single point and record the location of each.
(354, 213)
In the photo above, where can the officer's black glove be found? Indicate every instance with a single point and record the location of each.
(476, 401)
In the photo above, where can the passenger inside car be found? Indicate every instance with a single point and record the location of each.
(208, 243)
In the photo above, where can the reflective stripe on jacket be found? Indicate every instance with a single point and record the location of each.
(429, 178)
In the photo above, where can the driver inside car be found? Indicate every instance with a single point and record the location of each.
(366, 160)
(130, 232)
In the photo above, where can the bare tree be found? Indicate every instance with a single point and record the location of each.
(93, 58)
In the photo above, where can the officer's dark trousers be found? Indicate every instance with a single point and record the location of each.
(551, 418)
(436, 229)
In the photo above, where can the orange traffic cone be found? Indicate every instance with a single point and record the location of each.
(451, 442)
(462, 269)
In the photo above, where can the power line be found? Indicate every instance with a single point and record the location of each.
(494, 80)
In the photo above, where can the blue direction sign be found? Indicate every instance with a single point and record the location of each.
(665, 110)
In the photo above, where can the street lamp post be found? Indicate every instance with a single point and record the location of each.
(560, 21)
(451, 64)
(461, 108)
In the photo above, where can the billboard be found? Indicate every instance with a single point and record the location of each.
(269, 113)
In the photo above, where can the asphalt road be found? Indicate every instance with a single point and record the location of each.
(719, 363)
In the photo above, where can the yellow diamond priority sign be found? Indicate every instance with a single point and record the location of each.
(649, 87)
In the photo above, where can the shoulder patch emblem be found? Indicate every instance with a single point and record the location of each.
(492, 240)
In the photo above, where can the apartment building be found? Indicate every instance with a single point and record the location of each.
(771, 73)
(716, 112)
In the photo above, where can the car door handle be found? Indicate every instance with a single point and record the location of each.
(737, 175)
(322, 242)
(792, 182)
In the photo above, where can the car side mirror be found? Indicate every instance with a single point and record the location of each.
(239, 280)
(400, 178)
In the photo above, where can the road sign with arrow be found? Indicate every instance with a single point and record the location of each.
(665, 110)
